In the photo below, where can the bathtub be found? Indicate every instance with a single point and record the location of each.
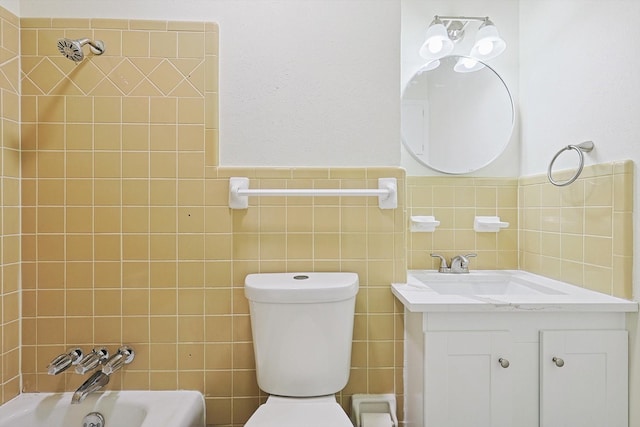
(119, 409)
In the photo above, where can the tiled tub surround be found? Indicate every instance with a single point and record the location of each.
(10, 214)
(127, 234)
(581, 233)
(176, 293)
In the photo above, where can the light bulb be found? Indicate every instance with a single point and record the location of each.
(485, 47)
(435, 45)
(488, 43)
(469, 63)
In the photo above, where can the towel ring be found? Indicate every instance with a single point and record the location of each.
(586, 147)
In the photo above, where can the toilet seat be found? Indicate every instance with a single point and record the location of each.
(279, 411)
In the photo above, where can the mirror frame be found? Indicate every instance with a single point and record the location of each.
(502, 147)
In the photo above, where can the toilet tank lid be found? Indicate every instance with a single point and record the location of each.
(300, 287)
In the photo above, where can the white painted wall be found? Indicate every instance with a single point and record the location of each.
(12, 6)
(302, 82)
(579, 81)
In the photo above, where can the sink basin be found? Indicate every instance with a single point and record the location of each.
(481, 284)
(488, 288)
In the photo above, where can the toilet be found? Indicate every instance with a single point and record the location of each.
(302, 327)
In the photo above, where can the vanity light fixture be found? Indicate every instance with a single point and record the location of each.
(444, 31)
(467, 65)
(437, 42)
(431, 65)
(488, 43)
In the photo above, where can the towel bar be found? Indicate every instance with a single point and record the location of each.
(239, 192)
(586, 147)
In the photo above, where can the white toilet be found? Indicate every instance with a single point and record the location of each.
(302, 326)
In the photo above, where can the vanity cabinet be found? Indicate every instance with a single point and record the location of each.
(583, 378)
(465, 381)
(505, 369)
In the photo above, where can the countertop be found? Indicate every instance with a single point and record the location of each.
(418, 297)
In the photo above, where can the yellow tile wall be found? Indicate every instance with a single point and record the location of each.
(581, 233)
(127, 236)
(10, 202)
(455, 201)
(327, 234)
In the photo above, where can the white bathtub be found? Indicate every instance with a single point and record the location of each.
(119, 409)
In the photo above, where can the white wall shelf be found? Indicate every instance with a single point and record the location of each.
(488, 224)
(424, 224)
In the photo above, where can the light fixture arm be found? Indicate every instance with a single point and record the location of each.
(463, 18)
(456, 25)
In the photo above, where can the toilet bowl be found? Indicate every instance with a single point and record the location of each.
(302, 327)
(279, 411)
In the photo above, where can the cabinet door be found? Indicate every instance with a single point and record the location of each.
(587, 384)
(465, 383)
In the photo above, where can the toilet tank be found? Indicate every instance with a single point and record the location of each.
(302, 327)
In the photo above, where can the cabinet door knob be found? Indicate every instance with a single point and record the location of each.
(558, 361)
(503, 362)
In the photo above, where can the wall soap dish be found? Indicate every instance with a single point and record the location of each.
(488, 224)
(424, 224)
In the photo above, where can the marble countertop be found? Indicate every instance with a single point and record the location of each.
(545, 295)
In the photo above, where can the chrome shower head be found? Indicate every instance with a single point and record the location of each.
(72, 49)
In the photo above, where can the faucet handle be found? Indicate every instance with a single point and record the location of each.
(123, 356)
(63, 361)
(91, 360)
(444, 268)
(464, 259)
(460, 263)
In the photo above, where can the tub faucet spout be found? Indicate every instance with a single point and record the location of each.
(95, 382)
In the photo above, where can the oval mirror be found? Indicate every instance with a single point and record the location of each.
(457, 115)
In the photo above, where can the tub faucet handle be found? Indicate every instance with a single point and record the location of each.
(63, 361)
(123, 356)
(91, 360)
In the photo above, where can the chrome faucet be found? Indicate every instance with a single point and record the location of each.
(100, 378)
(92, 360)
(444, 268)
(64, 361)
(95, 382)
(460, 263)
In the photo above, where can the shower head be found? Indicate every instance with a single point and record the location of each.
(72, 49)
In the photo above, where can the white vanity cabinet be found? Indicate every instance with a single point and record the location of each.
(497, 369)
(583, 378)
(465, 383)
(508, 348)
